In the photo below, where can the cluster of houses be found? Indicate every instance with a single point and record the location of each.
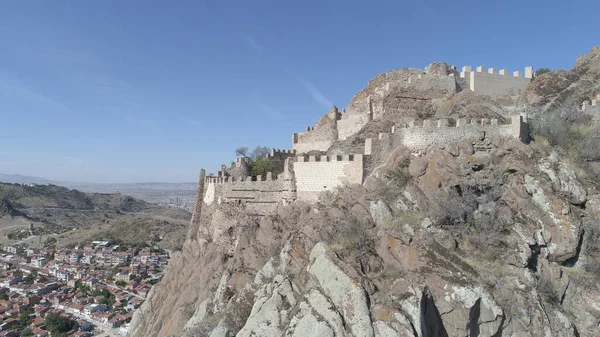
(97, 285)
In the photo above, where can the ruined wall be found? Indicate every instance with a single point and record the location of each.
(352, 121)
(440, 134)
(278, 157)
(314, 139)
(493, 82)
(315, 174)
(260, 196)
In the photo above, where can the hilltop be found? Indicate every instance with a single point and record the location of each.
(438, 203)
(75, 215)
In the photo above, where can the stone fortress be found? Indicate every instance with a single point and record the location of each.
(306, 170)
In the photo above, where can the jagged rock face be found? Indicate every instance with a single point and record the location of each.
(588, 63)
(439, 68)
(520, 260)
(561, 88)
(466, 104)
(406, 93)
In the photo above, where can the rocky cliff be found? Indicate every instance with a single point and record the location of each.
(486, 238)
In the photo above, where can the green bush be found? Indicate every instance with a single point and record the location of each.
(261, 166)
(542, 71)
(57, 324)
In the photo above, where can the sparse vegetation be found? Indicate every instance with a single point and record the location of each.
(262, 166)
(542, 71)
(328, 198)
(573, 131)
(425, 111)
(257, 160)
(400, 176)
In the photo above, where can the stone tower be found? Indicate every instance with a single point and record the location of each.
(333, 114)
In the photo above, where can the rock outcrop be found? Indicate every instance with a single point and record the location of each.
(481, 238)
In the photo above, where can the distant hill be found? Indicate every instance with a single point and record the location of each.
(21, 179)
(59, 209)
(92, 187)
(150, 191)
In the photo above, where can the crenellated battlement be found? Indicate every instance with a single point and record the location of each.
(438, 133)
(280, 152)
(249, 179)
(467, 70)
(493, 82)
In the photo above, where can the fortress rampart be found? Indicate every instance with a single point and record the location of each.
(305, 177)
(493, 82)
(439, 133)
(315, 174)
(278, 157)
(259, 194)
(351, 123)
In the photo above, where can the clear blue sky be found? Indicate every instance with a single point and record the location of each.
(136, 91)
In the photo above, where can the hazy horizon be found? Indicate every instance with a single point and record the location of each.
(16, 178)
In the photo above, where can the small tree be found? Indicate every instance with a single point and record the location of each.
(542, 71)
(241, 151)
(57, 324)
(261, 166)
(259, 152)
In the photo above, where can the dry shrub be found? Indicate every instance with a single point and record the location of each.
(456, 206)
(399, 176)
(572, 130)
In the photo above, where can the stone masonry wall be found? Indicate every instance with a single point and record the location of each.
(352, 121)
(260, 196)
(351, 125)
(322, 173)
(494, 82)
(440, 134)
(278, 157)
(314, 139)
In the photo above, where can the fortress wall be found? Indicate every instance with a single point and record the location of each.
(278, 157)
(495, 82)
(439, 134)
(259, 196)
(354, 120)
(317, 174)
(351, 125)
(314, 139)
